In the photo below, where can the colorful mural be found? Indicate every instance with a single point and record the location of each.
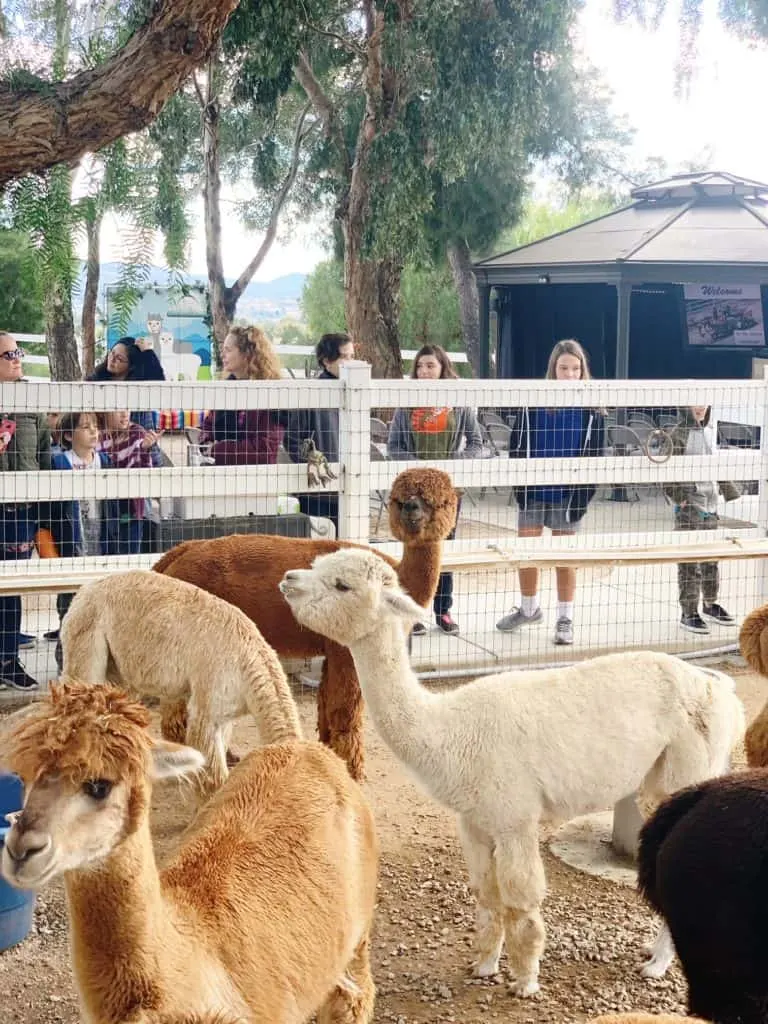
(175, 324)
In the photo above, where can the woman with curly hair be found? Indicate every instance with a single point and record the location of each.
(251, 436)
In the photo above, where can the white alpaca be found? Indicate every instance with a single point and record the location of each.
(262, 913)
(177, 365)
(161, 637)
(512, 750)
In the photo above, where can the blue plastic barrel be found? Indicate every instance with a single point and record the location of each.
(16, 905)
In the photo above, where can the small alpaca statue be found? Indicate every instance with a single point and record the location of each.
(509, 751)
(318, 471)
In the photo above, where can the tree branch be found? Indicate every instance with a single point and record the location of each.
(323, 106)
(58, 122)
(237, 289)
(348, 44)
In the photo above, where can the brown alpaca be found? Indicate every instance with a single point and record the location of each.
(753, 641)
(263, 912)
(246, 570)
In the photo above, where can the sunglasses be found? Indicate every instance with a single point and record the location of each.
(13, 355)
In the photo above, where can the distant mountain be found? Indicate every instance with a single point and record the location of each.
(281, 289)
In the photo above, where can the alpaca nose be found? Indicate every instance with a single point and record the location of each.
(22, 844)
(411, 506)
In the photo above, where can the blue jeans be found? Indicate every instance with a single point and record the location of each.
(18, 524)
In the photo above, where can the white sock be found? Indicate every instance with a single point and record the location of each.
(529, 605)
(565, 610)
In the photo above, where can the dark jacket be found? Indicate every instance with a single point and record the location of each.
(400, 443)
(322, 425)
(577, 498)
(683, 493)
(63, 517)
(242, 438)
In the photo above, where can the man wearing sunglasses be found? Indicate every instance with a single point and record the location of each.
(25, 444)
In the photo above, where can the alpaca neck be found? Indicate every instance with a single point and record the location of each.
(119, 928)
(402, 709)
(419, 570)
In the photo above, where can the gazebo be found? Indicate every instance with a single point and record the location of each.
(675, 284)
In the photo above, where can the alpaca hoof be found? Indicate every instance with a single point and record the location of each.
(485, 968)
(654, 969)
(524, 988)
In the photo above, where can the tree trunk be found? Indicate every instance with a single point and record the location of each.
(91, 294)
(60, 335)
(221, 317)
(372, 295)
(460, 261)
(48, 124)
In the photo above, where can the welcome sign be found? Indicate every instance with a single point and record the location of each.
(724, 315)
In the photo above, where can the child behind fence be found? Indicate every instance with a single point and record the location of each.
(695, 505)
(127, 446)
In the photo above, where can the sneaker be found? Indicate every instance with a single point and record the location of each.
(419, 629)
(694, 623)
(26, 640)
(12, 674)
(516, 619)
(718, 614)
(446, 623)
(564, 631)
(52, 635)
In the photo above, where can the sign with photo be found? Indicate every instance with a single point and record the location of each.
(724, 315)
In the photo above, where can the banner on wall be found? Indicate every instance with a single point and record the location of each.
(175, 325)
(724, 315)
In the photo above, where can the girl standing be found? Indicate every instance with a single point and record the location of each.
(436, 433)
(128, 446)
(544, 433)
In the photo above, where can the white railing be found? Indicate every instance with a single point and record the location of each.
(497, 546)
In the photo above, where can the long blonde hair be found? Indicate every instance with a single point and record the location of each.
(263, 362)
(567, 347)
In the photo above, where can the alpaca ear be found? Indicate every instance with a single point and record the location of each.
(402, 605)
(174, 761)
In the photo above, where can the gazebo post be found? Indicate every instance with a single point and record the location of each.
(624, 297)
(484, 295)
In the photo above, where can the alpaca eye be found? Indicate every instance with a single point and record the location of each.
(97, 789)
(342, 586)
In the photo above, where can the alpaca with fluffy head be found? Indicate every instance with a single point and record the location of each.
(262, 913)
(245, 570)
(703, 866)
(160, 637)
(753, 642)
(509, 751)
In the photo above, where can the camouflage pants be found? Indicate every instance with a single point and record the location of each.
(696, 580)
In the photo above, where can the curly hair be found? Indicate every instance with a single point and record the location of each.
(263, 361)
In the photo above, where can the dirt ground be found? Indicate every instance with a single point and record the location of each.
(421, 948)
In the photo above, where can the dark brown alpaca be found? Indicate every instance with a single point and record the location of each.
(753, 641)
(246, 569)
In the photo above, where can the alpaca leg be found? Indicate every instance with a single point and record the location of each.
(340, 711)
(352, 999)
(204, 735)
(489, 923)
(522, 885)
(627, 822)
(685, 761)
(662, 953)
(173, 721)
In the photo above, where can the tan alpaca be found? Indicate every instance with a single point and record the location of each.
(645, 1018)
(262, 913)
(246, 571)
(160, 637)
(753, 641)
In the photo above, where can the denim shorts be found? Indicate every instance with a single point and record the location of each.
(541, 514)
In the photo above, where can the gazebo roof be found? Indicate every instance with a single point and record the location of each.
(673, 229)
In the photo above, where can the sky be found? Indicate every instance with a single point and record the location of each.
(717, 122)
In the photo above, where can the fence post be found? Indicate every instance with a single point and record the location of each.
(762, 485)
(355, 452)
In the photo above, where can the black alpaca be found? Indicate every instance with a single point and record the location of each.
(703, 865)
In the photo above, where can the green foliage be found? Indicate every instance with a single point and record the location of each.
(21, 293)
(429, 312)
(539, 220)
